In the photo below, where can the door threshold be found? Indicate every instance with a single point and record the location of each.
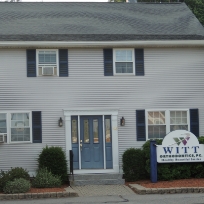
(94, 171)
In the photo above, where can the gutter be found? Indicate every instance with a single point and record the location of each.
(96, 44)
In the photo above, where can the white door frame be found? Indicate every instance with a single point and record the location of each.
(114, 124)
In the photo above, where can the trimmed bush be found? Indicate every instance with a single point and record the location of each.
(54, 159)
(134, 164)
(170, 171)
(17, 186)
(45, 179)
(11, 175)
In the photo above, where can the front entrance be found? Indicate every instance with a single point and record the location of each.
(92, 135)
(91, 142)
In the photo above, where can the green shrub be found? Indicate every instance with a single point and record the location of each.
(170, 171)
(133, 164)
(17, 186)
(14, 173)
(146, 150)
(201, 139)
(54, 159)
(45, 179)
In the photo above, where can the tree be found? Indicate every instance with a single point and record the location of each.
(197, 7)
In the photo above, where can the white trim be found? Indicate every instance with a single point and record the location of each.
(133, 43)
(167, 118)
(80, 112)
(133, 62)
(104, 142)
(79, 140)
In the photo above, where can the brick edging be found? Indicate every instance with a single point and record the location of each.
(142, 190)
(37, 195)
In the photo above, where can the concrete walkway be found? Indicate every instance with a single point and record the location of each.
(102, 190)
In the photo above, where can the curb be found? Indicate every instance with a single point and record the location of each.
(143, 191)
(68, 193)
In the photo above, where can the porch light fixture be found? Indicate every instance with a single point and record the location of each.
(122, 121)
(60, 122)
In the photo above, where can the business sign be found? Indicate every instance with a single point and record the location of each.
(180, 146)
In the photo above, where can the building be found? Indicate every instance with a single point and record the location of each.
(96, 78)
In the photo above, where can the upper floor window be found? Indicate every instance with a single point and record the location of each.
(161, 122)
(123, 61)
(47, 62)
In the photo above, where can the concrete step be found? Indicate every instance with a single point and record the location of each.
(96, 179)
(97, 176)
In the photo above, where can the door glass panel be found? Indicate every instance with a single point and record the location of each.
(74, 131)
(86, 131)
(95, 130)
(107, 130)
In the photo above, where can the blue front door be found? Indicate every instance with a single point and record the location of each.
(91, 142)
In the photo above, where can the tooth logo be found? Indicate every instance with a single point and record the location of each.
(183, 140)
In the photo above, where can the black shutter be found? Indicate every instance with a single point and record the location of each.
(194, 122)
(31, 63)
(140, 125)
(108, 62)
(63, 63)
(139, 62)
(37, 126)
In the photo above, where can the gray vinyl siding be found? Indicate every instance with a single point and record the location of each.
(174, 78)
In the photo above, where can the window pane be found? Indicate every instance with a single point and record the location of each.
(178, 114)
(95, 130)
(108, 130)
(3, 124)
(184, 114)
(86, 131)
(178, 120)
(156, 131)
(178, 127)
(123, 55)
(184, 120)
(156, 117)
(178, 117)
(124, 67)
(20, 128)
(129, 55)
(20, 134)
(74, 131)
(47, 57)
(120, 55)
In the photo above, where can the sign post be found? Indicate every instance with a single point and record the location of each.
(153, 161)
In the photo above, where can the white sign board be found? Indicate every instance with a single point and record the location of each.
(180, 146)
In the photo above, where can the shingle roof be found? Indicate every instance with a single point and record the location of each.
(97, 21)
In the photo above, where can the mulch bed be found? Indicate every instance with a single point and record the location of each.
(171, 184)
(46, 190)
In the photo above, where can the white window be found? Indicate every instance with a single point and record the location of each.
(16, 127)
(47, 62)
(160, 122)
(124, 62)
